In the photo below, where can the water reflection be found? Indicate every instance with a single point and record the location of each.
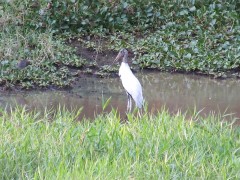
(174, 91)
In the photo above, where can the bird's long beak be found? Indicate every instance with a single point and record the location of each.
(117, 58)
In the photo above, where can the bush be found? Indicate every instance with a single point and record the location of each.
(108, 15)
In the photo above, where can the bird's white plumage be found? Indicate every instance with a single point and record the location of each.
(131, 84)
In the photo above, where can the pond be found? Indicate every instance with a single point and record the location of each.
(172, 91)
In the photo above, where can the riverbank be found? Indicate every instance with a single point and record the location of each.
(183, 36)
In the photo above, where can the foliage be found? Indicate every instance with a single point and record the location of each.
(86, 16)
(54, 145)
(112, 15)
(48, 56)
(196, 38)
(207, 51)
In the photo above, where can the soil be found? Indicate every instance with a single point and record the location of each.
(104, 57)
(100, 63)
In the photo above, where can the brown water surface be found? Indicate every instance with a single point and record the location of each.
(174, 91)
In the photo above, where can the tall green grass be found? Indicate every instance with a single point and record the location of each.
(56, 146)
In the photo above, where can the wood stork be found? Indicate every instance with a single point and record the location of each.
(129, 81)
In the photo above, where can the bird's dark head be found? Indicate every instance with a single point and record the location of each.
(123, 53)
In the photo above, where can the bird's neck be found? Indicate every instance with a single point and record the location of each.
(125, 58)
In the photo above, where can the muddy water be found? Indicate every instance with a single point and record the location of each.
(174, 91)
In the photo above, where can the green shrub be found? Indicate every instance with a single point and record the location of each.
(108, 15)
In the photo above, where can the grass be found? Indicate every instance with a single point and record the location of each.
(35, 146)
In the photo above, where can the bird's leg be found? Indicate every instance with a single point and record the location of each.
(140, 112)
(130, 103)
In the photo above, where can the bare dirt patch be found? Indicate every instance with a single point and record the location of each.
(99, 58)
(102, 57)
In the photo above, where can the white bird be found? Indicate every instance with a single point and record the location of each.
(129, 81)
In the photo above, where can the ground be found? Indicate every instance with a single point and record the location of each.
(100, 60)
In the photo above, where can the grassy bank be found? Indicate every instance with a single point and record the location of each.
(162, 146)
(184, 35)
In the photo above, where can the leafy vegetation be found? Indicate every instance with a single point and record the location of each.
(182, 35)
(204, 38)
(55, 145)
(48, 57)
